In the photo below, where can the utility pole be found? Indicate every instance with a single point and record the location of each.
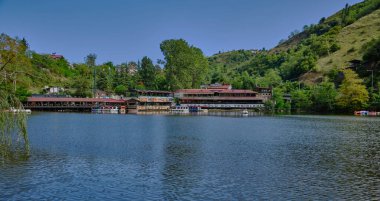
(94, 85)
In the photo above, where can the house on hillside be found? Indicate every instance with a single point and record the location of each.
(55, 56)
(51, 90)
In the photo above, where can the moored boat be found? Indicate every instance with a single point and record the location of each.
(366, 113)
(197, 109)
(180, 110)
(105, 110)
(15, 111)
(245, 112)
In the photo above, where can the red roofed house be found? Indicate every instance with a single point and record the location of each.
(56, 56)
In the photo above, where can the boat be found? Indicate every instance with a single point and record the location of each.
(180, 110)
(105, 110)
(197, 109)
(245, 112)
(15, 111)
(366, 113)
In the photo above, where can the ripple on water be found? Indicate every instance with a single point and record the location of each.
(103, 157)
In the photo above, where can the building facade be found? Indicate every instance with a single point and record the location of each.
(45, 103)
(220, 97)
(149, 101)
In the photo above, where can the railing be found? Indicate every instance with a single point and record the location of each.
(224, 105)
(152, 107)
(155, 99)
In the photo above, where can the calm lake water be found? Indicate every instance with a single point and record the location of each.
(158, 157)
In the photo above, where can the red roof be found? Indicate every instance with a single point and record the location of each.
(53, 99)
(56, 56)
(198, 91)
(216, 98)
(212, 91)
(238, 91)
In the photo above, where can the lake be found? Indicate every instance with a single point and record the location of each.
(163, 157)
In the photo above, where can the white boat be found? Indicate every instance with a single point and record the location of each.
(114, 110)
(197, 109)
(106, 110)
(180, 110)
(203, 110)
(245, 112)
(13, 110)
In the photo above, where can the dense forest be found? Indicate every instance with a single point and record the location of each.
(312, 66)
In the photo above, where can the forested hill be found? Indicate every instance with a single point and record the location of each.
(312, 66)
(318, 51)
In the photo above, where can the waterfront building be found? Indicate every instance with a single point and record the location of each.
(264, 92)
(46, 103)
(221, 97)
(149, 101)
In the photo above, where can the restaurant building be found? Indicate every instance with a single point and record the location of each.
(46, 103)
(149, 101)
(220, 97)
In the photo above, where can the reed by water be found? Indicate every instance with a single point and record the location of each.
(14, 142)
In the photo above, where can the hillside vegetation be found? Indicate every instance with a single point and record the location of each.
(311, 66)
(315, 59)
(352, 40)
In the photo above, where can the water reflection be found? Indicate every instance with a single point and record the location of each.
(102, 157)
(343, 152)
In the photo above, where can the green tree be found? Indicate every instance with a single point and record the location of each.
(323, 97)
(81, 81)
(82, 87)
(278, 102)
(301, 100)
(105, 77)
(186, 66)
(271, 78)
(352, 94)
(121, 75)
(121, 90)
(247, 81)
(372, 54)
(12, 127)
(298, 62)
(91, 62)
(148, 73)
(22, 94)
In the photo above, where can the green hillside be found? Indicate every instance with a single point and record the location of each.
(312, 65)
(352, 40)
(311, 54)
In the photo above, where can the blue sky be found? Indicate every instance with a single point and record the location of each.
(125, 30)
